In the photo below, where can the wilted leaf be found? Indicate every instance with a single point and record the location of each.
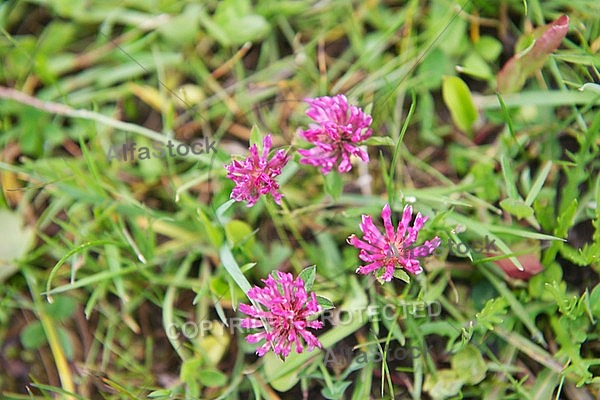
(522, 65)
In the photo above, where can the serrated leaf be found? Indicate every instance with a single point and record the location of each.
(493, 313)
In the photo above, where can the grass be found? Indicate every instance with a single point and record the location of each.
(118, 275)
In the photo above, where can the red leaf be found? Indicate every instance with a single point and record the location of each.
(524, 64)
(530, 262)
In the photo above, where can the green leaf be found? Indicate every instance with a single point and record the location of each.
(15, 241)
(189, 376)
(445, 383)
(172, 30)
(61, 308)
(537, 185)
(379, 141)
(256, 137)
(214, 234)
(65, 342)
(493, 313)
(336, 391)
(308, 276)
(325, 303)
(592, 87)
(334, 184)
(239, 233)
(595, 301)
(476, 66)
(400, 274)
(212, 378)
(470, 364)
(233, 269)
(459, 101)
(488, 47)
(33, 336)
(517, 208)
(238, 23)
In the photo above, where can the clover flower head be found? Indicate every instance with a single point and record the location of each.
(287, 316)
(383, 253)
(256, 175)
(337, 134)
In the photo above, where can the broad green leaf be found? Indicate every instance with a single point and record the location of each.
(400, 274)
(470, 364)
(325, 303)
(308, 276)
(239, 233)
(33, 336)
(476, 66)
(212, 377)
(459, 101)
(488, 47)
(236, 20)
(445, 383)
(62, 307)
